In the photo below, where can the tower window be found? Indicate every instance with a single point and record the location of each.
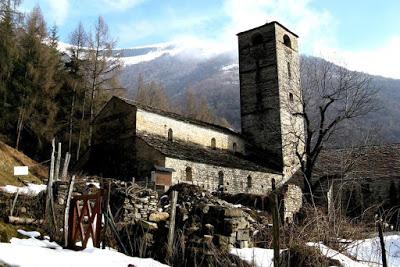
(170, 134)
(291, 97)
(286, 41)
(220, 178)
(249, 182)
(257, 39)
(189, 174)
(213, 143)
(234, 147)
(289, 71)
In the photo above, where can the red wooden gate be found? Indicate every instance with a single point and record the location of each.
(85, 220)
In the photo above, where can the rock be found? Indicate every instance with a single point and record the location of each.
(159, 216)
(148, 225)
(233, 212)
(243, 235)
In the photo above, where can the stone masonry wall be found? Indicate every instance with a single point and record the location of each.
(290, 97)
(157, 124)
(235, 180)
(293, 200)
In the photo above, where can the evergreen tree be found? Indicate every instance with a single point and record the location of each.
(38, 66)
(8, 57)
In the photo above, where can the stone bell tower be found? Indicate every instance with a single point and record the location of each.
(270, 93)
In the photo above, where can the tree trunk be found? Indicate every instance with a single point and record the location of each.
(78, 150)
(71, 116)
(20, 126)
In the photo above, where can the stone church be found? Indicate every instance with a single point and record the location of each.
(133, 140)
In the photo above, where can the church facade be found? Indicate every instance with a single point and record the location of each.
(133, 140)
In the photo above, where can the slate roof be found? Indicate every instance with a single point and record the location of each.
(379, 161)
(179, 117)
(197, 153)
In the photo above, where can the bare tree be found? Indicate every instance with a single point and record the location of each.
(78, 40)
(330, 95)
(103, 68)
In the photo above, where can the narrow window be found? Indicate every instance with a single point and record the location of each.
(286, 41)
(289, 71)
(189, 174)
(249, 182)
(170, 134)
(291, 97)
(213, 143)
(220, 178)
(234, 147)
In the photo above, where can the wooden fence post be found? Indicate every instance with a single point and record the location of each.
(49, 194)
(382, 242)
(171, 231)
(57, 170)
(65, 167)
(67, 206)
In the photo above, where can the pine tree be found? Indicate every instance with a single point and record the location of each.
(39, 66)
(8, 57)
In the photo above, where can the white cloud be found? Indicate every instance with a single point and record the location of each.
(59, 10)
(383, 60)
(122, 4)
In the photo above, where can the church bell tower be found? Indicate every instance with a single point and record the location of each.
(270, 93)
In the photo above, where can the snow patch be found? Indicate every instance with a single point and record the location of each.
(258, 257)
(30, 189)
(34, 252)
(229, 67)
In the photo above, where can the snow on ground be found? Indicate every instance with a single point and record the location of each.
(30, 189)
(33, 252)
(366, 253)
(259, 257)
(333, 254)
(369, 250)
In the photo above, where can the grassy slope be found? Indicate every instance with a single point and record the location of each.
(9, 157)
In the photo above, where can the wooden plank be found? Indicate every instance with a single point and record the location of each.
(58, 162)
(171, 231)
(66, 212)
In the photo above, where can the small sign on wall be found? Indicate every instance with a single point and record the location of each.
(21, 170)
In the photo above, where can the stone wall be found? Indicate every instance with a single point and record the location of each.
(234, 180)
(293, 201)
(291, 99)
(153, 123)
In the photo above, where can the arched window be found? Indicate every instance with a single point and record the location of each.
(213, 143)
(234, 148)
(189, 174)
(257, 39)
(286, 41)
(249, 181)
(220, 178)
(291, 97)
(289, 72)
(170, 134)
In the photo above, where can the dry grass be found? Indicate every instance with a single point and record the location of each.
(9, 157)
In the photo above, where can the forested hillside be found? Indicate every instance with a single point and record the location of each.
(216, 78)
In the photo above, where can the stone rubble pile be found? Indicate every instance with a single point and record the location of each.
(139, 204)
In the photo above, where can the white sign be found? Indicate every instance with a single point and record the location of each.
(21, 170)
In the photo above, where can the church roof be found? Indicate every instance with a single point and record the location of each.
(179, 117)
(377, 161)
(197, 153)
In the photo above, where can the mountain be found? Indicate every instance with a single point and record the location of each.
(215, 77)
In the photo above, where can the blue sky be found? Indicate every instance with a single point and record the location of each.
(361, 34)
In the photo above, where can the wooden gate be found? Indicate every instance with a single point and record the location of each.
(85, 220)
